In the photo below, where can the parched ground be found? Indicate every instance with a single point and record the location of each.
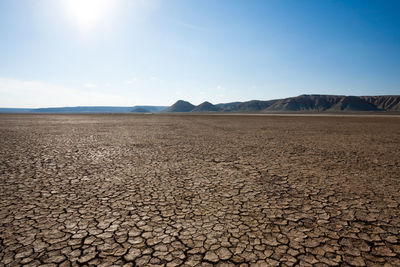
(151, 190)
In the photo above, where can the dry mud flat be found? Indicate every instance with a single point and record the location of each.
(155, 190)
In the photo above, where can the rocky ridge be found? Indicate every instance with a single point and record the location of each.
(302, 103)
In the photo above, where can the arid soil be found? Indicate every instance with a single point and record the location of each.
(155, 190)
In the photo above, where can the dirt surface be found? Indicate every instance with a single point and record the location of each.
(199, 190)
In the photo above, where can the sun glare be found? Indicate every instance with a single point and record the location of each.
(87, 14)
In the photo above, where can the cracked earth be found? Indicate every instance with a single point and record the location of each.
(170, 190)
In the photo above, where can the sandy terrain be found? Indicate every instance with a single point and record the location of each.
(199, 190)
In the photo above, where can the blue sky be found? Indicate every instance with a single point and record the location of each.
(154, 52)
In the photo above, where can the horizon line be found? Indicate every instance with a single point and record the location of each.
(145, 105)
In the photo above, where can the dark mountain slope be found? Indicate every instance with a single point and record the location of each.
(205, 107)
(304, 103)
(180, 106)
(390, 102)
(227, 106)
(251, 106)
(352, 103)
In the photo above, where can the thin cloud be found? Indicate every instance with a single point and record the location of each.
(32, 94)
(89, 85)
(221, 88)
(131, 81)
(194, 27)
(191, 26)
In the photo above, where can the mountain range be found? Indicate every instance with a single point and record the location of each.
(302, 103)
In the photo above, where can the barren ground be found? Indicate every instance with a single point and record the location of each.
(199, 190)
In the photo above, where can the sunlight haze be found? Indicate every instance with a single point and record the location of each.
(87, 14)
(154, 52)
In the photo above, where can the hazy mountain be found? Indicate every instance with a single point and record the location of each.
(147, 109)
(140, 110)
(85, 109)
(180, 106)
(97, 109)
(205, 107)
(15, 110)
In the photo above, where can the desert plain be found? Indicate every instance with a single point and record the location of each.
(199, 190)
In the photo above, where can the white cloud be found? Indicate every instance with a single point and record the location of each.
(30, 94)
(132, 81)
(89, 85)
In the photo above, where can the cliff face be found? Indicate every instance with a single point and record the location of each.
(391, 103)
(337, 103)
(321, 103)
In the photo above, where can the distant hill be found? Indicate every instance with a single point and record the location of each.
(302, 103)
(100, 109)
(205, 107)
(180, 106)
(147, 109)
(15, 110)
(140, 110)
(86, 109)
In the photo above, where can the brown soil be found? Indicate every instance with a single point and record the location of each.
(199, 190)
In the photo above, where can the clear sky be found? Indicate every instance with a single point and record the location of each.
(154, 52)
